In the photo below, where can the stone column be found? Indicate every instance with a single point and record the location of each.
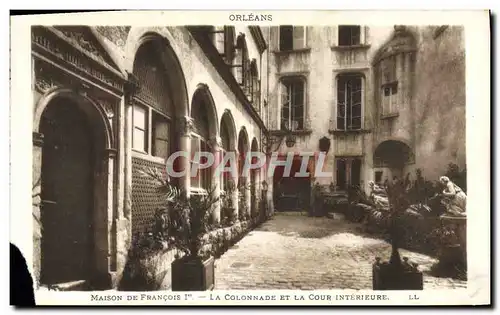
(186, 126)
(36, 190)
(248, 182)
(234, 196)
(216, 144)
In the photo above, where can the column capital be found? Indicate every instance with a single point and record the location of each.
(216, 142)
(111, 153)
(186, 125)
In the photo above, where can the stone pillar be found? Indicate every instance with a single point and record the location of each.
(248, 195)
(234, 196)
(216, 144)
(103, 218)
(186, 126)
(37, 223)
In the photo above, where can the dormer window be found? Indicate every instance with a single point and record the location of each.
(241, 62)
(223, 39)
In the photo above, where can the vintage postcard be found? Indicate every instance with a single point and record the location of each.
(252, 158)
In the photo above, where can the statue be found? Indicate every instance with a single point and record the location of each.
(454, 198)
(379, 196)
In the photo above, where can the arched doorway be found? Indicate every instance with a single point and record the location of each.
(203, 135)
(68, 168)
(391, 158)
(293, 192)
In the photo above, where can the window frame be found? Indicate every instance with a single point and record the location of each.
(348, 162)
(294, 80)
(203, 175)
(350, 27)
(361, 103)
(392, 107)
(293, 48)
(150, 112)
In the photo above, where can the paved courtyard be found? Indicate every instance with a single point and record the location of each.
(294, 251)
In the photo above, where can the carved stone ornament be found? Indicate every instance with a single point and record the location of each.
(216, 142)
(44, 84)
(186, 125)
(107, 107)
(82, 40)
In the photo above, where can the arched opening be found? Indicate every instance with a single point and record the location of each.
(158, 105)
(73, 208)
(292, 192)
(228, 139)
(390, 158)
(205, 129)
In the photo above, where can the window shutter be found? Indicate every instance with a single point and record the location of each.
(139, 136)
(299, 39)
(285, 105)
(286, 37)
(161, 137)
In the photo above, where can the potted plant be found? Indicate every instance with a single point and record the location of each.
(186, 228)
(396, 274)
(227, 208)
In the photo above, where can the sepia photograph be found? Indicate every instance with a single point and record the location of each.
(250, 154)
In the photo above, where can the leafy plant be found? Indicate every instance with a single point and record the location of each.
(141, 272)
(184, 220)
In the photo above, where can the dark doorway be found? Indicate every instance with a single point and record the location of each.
(292, 193)
(67, 193)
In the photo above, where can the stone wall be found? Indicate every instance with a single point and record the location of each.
(440, 101)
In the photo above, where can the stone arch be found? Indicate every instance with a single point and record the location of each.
(101, 127)
(83, 147)
(203, 104)
(228, 126)
(139, 36)
(243, 140)
(394, 154)
(255, 145)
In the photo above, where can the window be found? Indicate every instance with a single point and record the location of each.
(199, 143)
(292, 37)
(159, 132)
(224, 134)
(161, 135)
(292, 102)
(202, 178)
(152, 107)
(348, 172)
(389, 100)
(241, 62)
(140, 129)
(255, 85)
(223, 40)
(220, 39)
(349, 102)
(378, 177)
(389, 69)
(349, 35)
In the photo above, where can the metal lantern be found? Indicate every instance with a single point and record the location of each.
(324, 144)
(290, 140)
